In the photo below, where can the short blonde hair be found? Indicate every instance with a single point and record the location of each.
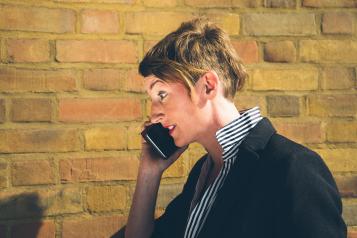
(196, 47)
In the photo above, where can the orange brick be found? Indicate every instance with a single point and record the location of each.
(37, 19)
(12, 79)
(149, 44)
(2, 110)
(344, 131)
(105, 138)
(332, 105)
(31, 109)
(99, 169)
(247, 51)
(131, 81)
(106, 198)
(113, 79)
(38, 140)
(32, 172)
(285, 79)
(337, 23)
(352, 233)
(94, 227)
(43, 229)
(301, 132)
(338, 78)
(329, 3)
(328, 51)
(98, 21)
(99, 109)
(273, 24)
(33, 50)
(281, 51)
(99, 51)
(146, 22)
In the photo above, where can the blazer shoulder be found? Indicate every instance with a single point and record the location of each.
(294, 158)
(279, 147)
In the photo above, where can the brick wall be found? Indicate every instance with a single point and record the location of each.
(72, 104)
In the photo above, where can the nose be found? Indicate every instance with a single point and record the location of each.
(157, 114)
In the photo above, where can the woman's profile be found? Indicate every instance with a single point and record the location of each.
(253, 182)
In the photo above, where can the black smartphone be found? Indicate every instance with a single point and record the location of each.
(160, 140)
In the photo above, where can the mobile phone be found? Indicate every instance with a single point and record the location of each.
(160, 140)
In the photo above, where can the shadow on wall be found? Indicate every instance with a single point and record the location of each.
(18, 207)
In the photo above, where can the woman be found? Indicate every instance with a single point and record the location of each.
(252, 182)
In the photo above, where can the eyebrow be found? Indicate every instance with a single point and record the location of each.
(156, 81)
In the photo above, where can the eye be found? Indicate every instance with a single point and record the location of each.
(162, 95)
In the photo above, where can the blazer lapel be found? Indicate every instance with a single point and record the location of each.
(238, 185)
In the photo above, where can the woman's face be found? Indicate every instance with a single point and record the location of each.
(173, 107)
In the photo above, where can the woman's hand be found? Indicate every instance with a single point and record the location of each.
(151, 161)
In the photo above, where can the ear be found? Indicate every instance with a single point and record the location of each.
(210, 82)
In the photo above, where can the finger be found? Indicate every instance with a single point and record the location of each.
(179, 152)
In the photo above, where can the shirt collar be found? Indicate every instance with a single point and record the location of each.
(232, 134)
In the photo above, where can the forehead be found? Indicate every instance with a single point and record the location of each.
(150, 81)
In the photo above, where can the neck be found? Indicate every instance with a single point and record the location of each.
(223, 112)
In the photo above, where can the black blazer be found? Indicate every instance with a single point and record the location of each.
(276, 188)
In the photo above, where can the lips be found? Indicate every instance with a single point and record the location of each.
(171, 128)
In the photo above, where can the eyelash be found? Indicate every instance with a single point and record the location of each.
(162, 95)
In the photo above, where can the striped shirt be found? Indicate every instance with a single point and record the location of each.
(229, 137)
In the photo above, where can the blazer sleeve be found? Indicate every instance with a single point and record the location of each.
(173, 222)
(314, 199)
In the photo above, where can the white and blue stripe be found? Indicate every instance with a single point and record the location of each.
(229, 137)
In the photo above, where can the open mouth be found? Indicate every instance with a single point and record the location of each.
(171, 129)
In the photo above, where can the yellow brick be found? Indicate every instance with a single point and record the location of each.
(3, 174)
(40, 202)
(339, 160)
(154, 23)
(345, 78)
(227, 21)
(160, 3)
(134, 136)
(333, 105)
(285, 79)
(342, 131)
(177, 169)
(243, 101)
(328, 51)
(277, 24)
(222, 3)
(106, 198)
(39, 140)
(105, 138)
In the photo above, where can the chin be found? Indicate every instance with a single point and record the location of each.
(179, 143)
